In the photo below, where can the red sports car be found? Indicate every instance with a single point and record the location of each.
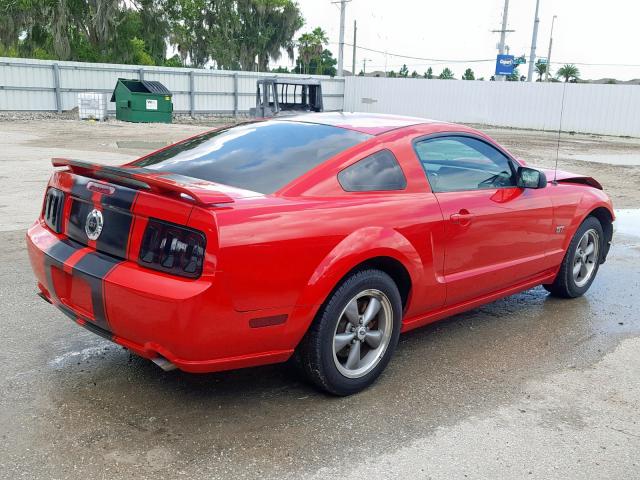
(322, 237)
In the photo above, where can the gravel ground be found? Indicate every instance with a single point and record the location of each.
(525, 387)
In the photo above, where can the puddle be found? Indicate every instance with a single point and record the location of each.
(628, 222)
(625, 159)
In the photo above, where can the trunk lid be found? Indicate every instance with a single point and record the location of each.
(108, 208)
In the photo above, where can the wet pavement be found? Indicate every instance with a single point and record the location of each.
(528, 386)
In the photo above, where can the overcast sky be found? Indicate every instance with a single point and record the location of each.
(586, 31)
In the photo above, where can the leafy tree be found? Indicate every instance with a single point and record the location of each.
(514, 77)
(414, 74)
(568, 72)
(391, 74)
(541, 69)
(361, 74)
(404, 71)
(468, 75)
(281, 70)
(446, 74)
(429, 73)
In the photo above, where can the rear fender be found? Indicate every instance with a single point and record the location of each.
(358, 247)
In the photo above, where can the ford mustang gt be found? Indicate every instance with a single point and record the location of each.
(320, 238)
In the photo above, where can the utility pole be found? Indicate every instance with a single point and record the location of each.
(364, 65)
(343, 6)
(353, 63)
(534, 39)
(546, 73)
(503, 33)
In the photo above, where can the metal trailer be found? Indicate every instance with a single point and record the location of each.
(278, 96)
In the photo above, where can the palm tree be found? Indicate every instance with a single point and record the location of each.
(310, 47)
(541, 69)
(568, 72)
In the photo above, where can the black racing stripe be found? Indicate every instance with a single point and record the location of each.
(98, 331)
(87, 323)
(93, 268)
(122, 198)
(68, 312)
(56, 255)
(117, 221)
(116, 213)
(62, 250)
(77, 219)
(115, 233)
(79, 188)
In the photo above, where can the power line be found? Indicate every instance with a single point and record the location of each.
(418, 58)
(481, 60)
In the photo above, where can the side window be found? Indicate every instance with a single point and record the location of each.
(379, 171)
(464, 163)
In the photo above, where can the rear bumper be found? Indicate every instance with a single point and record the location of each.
(191, 323)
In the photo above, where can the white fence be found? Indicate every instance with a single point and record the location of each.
(590, 108)
(44, 85)
(27, 84)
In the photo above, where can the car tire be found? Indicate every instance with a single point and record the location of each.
(579, 266)
(347, 346)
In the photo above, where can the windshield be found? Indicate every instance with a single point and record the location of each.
(262, 156)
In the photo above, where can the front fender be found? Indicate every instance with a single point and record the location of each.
(589, 202)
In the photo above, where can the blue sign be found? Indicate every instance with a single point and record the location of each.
(504, 64)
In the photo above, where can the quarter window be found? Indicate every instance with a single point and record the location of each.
(464, 163)
(376, 172)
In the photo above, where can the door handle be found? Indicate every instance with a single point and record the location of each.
(463, 217)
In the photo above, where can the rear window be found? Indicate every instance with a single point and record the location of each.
(262, 156)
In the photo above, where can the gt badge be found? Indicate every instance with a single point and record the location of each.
(93, 225)
(560, 229)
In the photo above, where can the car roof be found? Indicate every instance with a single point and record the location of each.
(370, 123)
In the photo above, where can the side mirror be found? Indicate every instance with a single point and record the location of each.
(531, 178)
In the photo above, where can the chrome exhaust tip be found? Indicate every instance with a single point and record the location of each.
(164, 364)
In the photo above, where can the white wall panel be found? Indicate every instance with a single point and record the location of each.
(28, 84)
(214, 89)
(603, 109)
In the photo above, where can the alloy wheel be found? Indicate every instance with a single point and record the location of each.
(362, 333)
(586, 257)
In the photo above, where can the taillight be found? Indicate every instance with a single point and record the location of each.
(53, 207)
(172, 248)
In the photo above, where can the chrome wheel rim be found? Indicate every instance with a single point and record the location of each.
(362, 333)
(586, 257)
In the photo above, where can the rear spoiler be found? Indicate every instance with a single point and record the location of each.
(197, 191)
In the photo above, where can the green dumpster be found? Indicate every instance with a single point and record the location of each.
(142, 101)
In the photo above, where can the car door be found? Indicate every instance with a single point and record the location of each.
(496, 234)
